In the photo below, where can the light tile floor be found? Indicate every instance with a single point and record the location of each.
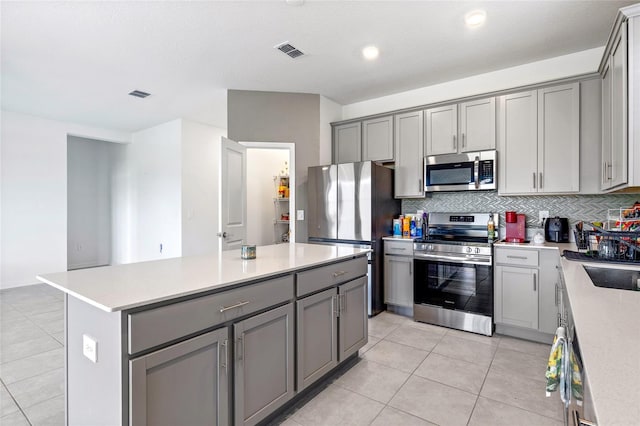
(408, 374)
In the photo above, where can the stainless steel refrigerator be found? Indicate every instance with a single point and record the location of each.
(353, 204)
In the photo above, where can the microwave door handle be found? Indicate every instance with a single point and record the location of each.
(476, 174)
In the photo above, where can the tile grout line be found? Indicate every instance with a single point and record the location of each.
(16, 402)
(475, 404)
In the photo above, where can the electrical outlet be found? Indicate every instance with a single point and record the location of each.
(90, 348)
(542, 215)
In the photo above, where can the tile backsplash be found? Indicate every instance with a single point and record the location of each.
(587, 208)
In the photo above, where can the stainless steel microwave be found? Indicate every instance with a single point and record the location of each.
(470, 171)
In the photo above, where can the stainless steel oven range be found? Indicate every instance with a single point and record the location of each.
(453, 279)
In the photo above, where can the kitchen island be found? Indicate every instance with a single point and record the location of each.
(209, 339)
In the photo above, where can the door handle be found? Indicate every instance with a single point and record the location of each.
(540, 180)
(222, 234)
(420, 188)
(335, 306)
(343, 303)
(609, 171)
(463, 141)
(338, 273)
(226, 360)
(237, 305)
(454, 142)
(534, 282)
(240, 343)
(534, 180)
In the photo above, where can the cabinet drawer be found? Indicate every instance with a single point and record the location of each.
(517, 257)
(154, 327)
(327, 276)
(398, 247)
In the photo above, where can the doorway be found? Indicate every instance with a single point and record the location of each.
(91, 166)
(270, 205)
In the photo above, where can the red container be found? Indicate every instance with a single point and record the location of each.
(511, 217)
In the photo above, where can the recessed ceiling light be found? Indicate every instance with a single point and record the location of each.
(370, 52)
(475, 18)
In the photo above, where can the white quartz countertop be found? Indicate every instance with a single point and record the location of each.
(545, 245)
(607, 323)
(119, 287)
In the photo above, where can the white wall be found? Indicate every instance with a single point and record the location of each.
(330, 111)
(89, 164)
(536, 72)
(200, 158)
(33, 196)
(156, 181)
(262, 166)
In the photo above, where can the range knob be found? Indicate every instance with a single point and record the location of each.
(477, 250)
(469, 250)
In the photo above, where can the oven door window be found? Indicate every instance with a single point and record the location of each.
(457, 286)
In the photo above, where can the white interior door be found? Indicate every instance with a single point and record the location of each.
(233, 194)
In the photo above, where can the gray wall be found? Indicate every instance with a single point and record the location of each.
(280, 117)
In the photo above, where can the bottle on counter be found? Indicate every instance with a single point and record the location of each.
(418, 226)
(412, 227)
(406, 227)
(491, 229)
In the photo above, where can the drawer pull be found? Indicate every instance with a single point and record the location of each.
(517, 257)
(338, 273)
(237, 305)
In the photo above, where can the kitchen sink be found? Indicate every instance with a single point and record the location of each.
(622, 279)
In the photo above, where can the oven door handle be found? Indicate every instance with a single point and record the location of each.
(470, 260)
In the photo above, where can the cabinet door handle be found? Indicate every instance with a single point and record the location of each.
(534, 180)
(410, 268)
(540, 180)
(237, 305)
(556, 294)
(226, 360)
(509, 256)
(463, 141)
(534, 282)
(609, 171)
(334, 306)
(604, 171)
(240, 346)
(338, 273)
(420, 188)
(454, 142)
(343, 303)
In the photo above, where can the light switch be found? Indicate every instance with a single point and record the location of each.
(90, 348)
(300, 214)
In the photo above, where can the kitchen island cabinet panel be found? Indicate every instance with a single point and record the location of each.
(326, 276)
(186, 383)
(263, 364)
(317, 336)
(353, 317)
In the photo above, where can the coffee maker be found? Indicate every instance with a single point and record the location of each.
(515, 227)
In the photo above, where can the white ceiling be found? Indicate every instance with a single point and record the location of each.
(76, 61)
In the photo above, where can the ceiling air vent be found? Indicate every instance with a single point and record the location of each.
(139, 94)
(289, 50)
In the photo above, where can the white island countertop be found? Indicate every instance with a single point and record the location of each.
(607, 323)
(120, 287)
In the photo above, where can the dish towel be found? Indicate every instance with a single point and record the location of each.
(555, 370)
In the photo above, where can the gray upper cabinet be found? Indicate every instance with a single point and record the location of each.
(615, 113)
(409, 149)
(347, 143)
(317, 336)
(441, 130)
(264, 364)
(377, 139)
(539, 138)
(183, 384)
(464, 127)
(477, 127)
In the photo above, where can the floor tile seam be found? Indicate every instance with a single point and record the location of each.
(446, 384)
(42, 329)
(16, 402)
(536, 356)
(458, 336)
(33, 377)
(523, 409)
(519, 350)
(38, 403)
(29, 377)
(542, 381)
(459, 359)
(385, 365)
(399, 409)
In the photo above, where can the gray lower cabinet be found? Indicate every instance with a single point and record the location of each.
(332, 325)
(263, 364)
(398, 280)
(317, 336)
(183, 384)
(352, 325)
